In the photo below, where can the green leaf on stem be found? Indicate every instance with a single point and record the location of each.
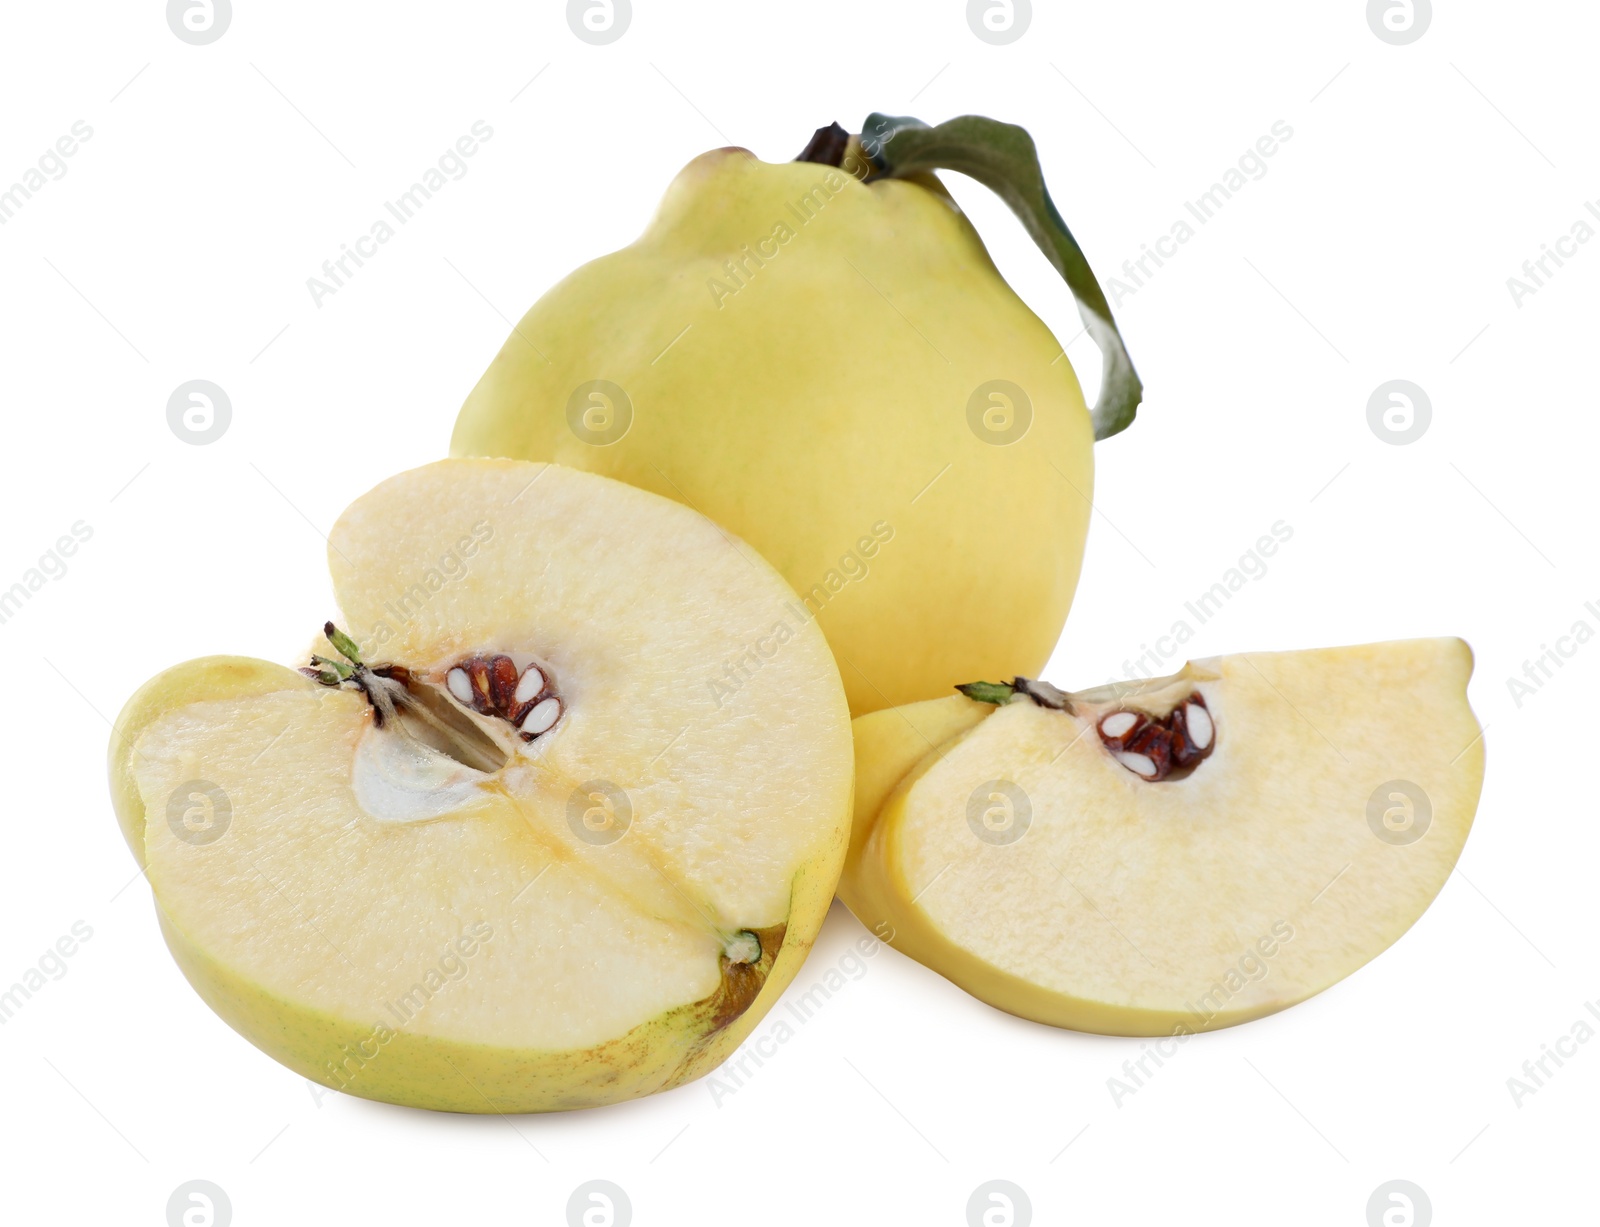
(1004, 159)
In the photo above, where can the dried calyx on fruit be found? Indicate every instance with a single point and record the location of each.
(487, 684)
(1162, 731)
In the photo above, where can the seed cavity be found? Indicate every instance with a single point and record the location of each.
(492, 685)
(1161, 749)
(1153, 748)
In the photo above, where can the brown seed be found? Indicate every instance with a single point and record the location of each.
(478, 673)
(1191, 732)
(1153, 741)
(502, 685)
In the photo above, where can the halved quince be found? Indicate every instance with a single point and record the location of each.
(500, 845)
(1172, 855)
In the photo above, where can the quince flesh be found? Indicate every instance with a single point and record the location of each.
(603, 908)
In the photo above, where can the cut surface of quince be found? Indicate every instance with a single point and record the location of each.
(1171, 855)
(501, 846)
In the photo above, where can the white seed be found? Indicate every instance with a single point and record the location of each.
(541, 716)
(1118, 723)
(1142, 765)
(1198, 720)
(460, 684)
(532, 684)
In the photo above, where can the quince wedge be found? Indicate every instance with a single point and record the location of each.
(1174, 855)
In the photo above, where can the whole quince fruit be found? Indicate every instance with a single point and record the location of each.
(821, 356)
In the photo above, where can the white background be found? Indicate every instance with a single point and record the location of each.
(1377, 246)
